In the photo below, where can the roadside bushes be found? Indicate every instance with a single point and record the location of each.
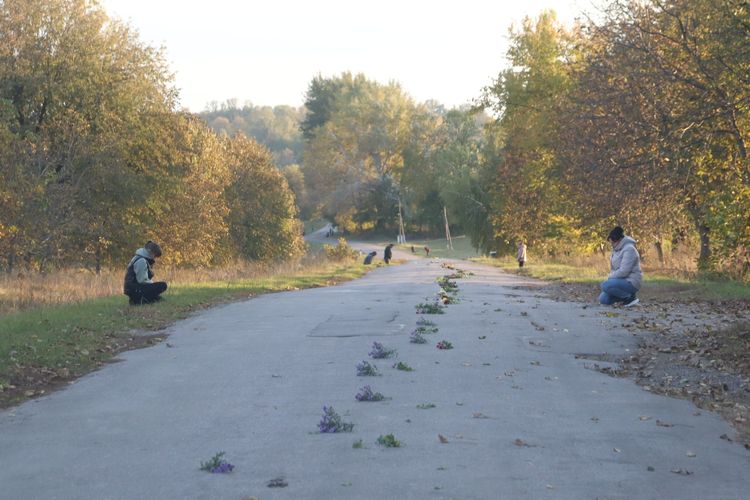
(341, 252)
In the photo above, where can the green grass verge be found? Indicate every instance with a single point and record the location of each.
(54, 344)
(655, 285)
(462, 248)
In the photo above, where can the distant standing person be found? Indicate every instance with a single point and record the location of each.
(139, 286)
(369, 257)
(625, 277)
(388, 254)
(427, 251)
(521, 253)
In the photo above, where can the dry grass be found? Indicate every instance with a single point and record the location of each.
(19, 292)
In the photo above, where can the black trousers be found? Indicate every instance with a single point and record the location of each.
(147, 293)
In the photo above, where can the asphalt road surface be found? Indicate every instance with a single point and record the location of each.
(517, 415)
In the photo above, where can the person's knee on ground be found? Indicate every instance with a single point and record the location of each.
(605, 299)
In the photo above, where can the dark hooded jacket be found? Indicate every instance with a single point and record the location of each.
(139, 271)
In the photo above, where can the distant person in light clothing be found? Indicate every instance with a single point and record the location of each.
(521, 253)
(625, 277)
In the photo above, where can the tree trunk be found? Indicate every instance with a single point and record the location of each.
(705, 255)
(98, 258)
(703, 232)
(659, 251)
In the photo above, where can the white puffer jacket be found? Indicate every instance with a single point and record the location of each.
(625, 262)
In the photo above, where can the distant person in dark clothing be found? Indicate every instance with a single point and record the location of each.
(388, 254)
(427, 251)
(412, 249)
(139, 286)
(369, 257)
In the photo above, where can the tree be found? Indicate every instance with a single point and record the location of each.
(524, 189)
(262, 218)
(354, 158)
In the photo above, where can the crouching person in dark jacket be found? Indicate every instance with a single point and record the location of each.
(139, 286)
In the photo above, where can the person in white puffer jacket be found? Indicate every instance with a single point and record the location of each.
(625, 277)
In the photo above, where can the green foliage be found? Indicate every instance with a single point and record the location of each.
(277, 128)
(215, 464)
(403, 367)
(429, 308)
(341, 252)
(94, 160)
(388, 441)
(353, 154)
(262, 218)
(640, 119)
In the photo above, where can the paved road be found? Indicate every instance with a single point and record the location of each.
(522, 416)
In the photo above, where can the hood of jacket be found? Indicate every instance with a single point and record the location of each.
(627, 240)
(144, 253)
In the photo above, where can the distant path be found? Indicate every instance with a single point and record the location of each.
(522, 416)
(365, 247)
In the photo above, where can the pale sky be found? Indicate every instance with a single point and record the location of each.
(266, 52)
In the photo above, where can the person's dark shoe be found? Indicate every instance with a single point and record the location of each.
(632, 301)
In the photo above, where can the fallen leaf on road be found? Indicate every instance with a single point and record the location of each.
(278, 482)
(479, 415)
(662, 423)
(725, 437)
(535, 363)
(595, 419)
(650, 469)
(643, 418)
(482, 337)
(442, 439)
(616, 450)
(691, 454)
(683, 472)
(523, 444)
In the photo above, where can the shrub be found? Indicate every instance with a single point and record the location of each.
(366, 394)
(381, 352)
(389, 441)
(341, 252)
(331, 422)
(365, 369)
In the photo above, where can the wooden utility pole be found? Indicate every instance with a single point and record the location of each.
(447, 229)
(401, 232)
